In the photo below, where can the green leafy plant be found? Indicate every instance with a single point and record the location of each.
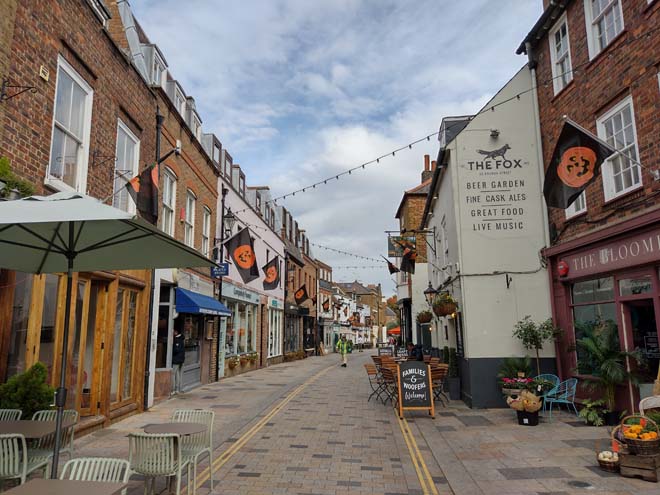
(533, 335)
(27, 391)
(608, 361)
(444, 298)
(511, 367)
(654, 415)
(592, 412)
(12, 181)
(424, 316)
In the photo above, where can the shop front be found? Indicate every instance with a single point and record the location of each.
(240, 329)
(275, 330)
(609, 282)
(107, 344)
(293, 327)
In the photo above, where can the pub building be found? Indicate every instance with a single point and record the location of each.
(604, 253)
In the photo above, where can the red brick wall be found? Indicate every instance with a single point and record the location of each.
(43, 29)
(625, 67)
(7, 17)
(411, 219)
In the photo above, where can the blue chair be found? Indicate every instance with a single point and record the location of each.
(563, 394)
(550, 378)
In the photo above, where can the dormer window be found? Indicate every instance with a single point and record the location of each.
(241, 185)
(158, 70)
(216, 153)
(179, 101)
(258, 202)
(100, 11)
(197, 127)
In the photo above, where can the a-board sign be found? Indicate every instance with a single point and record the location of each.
(385, 351)
(401, 352)
(415, 387)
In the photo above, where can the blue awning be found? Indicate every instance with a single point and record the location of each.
(191, 302)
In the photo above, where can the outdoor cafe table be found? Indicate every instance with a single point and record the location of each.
(31, 430)
(41, 486)
(182, 429)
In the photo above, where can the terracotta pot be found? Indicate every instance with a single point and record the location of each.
(444, 309)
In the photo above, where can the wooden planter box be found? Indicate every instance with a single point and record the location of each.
(646, 467)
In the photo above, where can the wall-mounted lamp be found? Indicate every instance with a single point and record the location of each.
(429, 294)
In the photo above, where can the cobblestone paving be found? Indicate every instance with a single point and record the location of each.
(306, 428)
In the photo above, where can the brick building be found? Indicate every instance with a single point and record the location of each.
(90, 120)
(597, 62)
(410, 287)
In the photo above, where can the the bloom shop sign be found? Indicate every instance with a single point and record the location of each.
(607, 257)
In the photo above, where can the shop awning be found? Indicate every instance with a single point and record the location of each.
(394, 331)
(191, 302)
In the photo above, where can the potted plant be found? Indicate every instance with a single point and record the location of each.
(444, 304)
(513, 375)
(453, 379)
(253, 357)
(27, 391)
(243, 359)
(424, 316)
(533, 335)
(232, 362)
(11, 186)
(527, 406)
(606, 365)
(592, 412)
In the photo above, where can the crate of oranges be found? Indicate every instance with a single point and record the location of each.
(640, 434)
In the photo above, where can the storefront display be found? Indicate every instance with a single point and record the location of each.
(275, 327)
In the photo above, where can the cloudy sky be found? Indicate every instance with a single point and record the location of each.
(298, 90)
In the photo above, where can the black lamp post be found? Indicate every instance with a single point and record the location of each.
(430, 294)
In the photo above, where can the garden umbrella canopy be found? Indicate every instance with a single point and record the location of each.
(104, 238)
(68, 232)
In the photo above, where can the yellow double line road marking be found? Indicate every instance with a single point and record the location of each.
(223, 458)
(425, 479)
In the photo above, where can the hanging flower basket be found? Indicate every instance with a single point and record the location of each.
(444, 309)
(424, 317)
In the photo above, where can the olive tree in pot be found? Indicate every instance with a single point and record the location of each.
(533, 335)
(605, 364)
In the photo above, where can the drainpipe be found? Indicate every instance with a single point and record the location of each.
(532, 64)
(221, 258)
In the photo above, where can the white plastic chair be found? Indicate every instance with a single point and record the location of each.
(106, 469)
(43, 448)
(157, 455)
(14, 461)
(10, 414)
(196, 446)
(649, 403)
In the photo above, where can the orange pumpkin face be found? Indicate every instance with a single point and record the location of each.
(271, 274)
(244, 256)
(299, 293)
(576, 167)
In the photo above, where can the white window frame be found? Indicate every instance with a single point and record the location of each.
(189, 220)
(168, 174)
(179, 100)
(217, 154)
(83, 158)
(589, 19)
(121, 127)
(197, 127)
(560, 79)
(578, 207)
(206, 231)
(159, 63)
(607, 167)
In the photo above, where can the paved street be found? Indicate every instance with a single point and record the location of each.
(306, 428)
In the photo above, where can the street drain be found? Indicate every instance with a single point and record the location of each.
(581, 484)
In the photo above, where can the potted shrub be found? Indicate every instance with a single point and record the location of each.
(453, 379)
(253, 357)
(11, 186)
(533, 335)
(232, 362)
(513, 375)
(607, 365)
(27, 391)
(444, 304)
(424, 316)
(592, 412)
(244, 359)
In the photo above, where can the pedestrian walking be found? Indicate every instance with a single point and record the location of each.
(342, 348)
(178, 358)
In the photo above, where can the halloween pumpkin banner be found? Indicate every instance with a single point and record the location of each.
(143, 189)
(408, 260)
(575, 163)
(301, 295)
(326, 305)
(242, 254)
(271, 274)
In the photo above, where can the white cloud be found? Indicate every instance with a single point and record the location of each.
(299, 90)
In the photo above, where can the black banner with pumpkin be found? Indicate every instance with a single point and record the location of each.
(301, 295)
(242, 254)
(326, 305)
(271, 274)
(408, 260)
(574, 165)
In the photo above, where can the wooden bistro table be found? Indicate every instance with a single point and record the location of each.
(183, 429)
(40, 486)
(31, 430)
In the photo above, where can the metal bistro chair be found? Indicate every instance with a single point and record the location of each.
(390, 384)
(438, 375)
(548, 377)
(10, 414)
(375, 381)
(105, 469)
(43, 448)
(157, 455)
(651, 402)
(14, 461)
(564, 394)
(195, 446)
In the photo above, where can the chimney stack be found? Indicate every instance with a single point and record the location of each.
(433, 165)
(428, 171)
